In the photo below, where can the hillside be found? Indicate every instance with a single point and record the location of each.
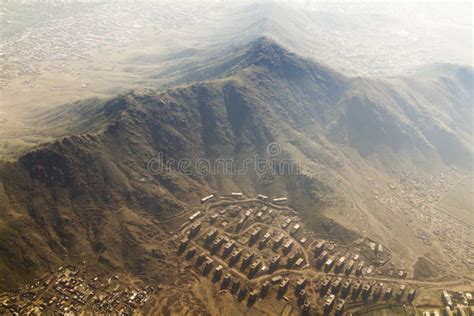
(92, 195)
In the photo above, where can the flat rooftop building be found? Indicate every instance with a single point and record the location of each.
(400, 292)
(236, 253)
(214, 218)
(350, 267)
(217, 243)
(347, 285)
(208, 265)
(211, 234)
(287, 246)
(275, 261)
(340, 264)
(265, 288)
(278, 241)
(200, 258)
(277, 279)
(301, 283)
(264, 240)
(228, 247)
(328, 302)
(207, 198)
(378, 291)
(366, 289)
(252, 296)
(255, 233)
(356, 289)
(322, 257)
(218, 272)
(447, 298)
(319, 248)
(299, 262)
(247, 258)
(335, 285)
(286, 223)
(183, 244)
(191, 252)
(237, 195)
(280, 200)
(226, 280)
(326, 283)
(340, 306)
(328, 264)
(194, 229)
(306, 308)
(283, 286)
(411, 295)
(194, 216)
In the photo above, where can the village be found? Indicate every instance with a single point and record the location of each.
(56, 45)
(415, 198)
(259, 248)
(72, 290)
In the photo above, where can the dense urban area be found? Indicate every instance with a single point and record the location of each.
(416, 197)
(56, 43)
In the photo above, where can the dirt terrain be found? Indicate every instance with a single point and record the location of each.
(373, 159)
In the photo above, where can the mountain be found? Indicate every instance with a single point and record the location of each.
(94, 195)
(357, 39)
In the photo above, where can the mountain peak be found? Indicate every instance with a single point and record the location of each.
(265, 51)
(266, 44)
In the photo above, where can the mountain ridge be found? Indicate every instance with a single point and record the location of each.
(336, 129)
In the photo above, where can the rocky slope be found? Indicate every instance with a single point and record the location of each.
(95, 195)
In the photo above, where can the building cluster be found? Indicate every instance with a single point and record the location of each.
(458, 303)
(364, 257)
(72, 290)
(252, 249)
(52, 44)
(337, 291)
(415, 191)
(247, 247)
(241, 242)
(414, 199)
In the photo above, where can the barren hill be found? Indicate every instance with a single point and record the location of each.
(94, 196)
